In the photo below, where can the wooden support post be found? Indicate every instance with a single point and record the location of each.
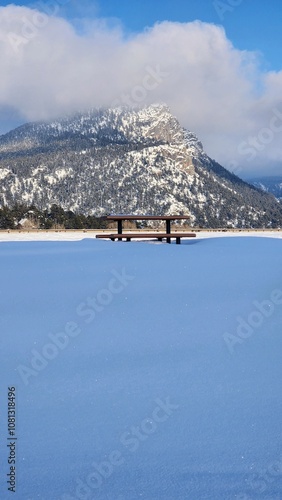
(178, 240)
(119, 226)
(168, 230)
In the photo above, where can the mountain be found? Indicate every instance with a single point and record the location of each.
(271, 185)
(127, 161)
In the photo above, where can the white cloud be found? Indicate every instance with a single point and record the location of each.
(48, 69)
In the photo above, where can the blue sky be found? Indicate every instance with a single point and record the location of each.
(221, 77)
(252, 25)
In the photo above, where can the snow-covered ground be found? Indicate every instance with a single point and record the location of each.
(141, 370)
(79, 235)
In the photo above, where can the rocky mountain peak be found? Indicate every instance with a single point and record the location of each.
(122, 160)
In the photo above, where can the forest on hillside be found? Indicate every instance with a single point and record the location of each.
(22, 216)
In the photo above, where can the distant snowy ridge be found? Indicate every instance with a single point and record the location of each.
(127, 161)
(271, 185)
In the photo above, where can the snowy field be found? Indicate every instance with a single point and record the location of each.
(141, 370)
(79, 235)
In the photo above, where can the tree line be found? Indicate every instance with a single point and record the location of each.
(29, 216)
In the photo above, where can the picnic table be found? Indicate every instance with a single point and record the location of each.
(168, 235)
(167, 218)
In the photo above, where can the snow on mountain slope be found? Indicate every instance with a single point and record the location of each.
(143, 370)
(127, 161)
